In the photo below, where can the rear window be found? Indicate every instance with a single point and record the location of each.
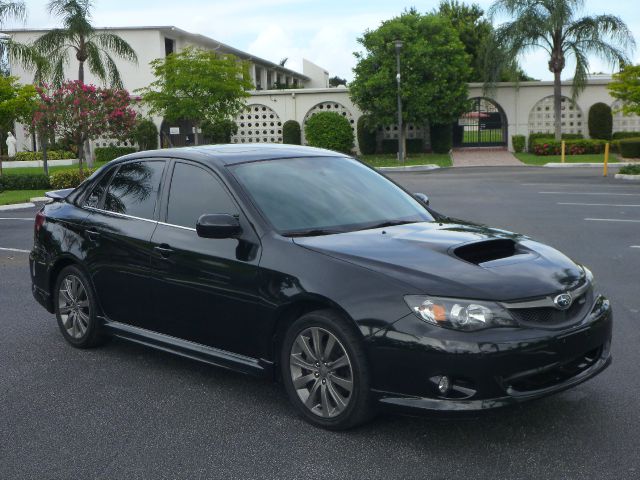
(134, 189)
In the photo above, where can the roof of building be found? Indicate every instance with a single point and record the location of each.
(195, 37)
(237, 153)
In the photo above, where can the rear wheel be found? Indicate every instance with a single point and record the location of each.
(76, 309)
(325, 371)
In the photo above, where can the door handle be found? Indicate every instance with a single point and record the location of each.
(93, 235)
(164, 250)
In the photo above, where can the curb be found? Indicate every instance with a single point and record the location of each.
(16, 206)
(40, 200)
(591, 164)
(409, 168)
(632, 178)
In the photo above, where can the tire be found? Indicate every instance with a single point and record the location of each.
(76, 307)
(320, 390)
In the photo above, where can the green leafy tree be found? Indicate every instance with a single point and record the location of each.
(434, 70)
(17, 104)
(336, 80)
(553, 25)
(79, 38)
(626, 88)
(199, 86)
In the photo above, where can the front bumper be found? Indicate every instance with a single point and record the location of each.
(487, 369)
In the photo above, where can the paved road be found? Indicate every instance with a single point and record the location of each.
(124, 411)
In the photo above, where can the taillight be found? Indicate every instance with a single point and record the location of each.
(40, 218)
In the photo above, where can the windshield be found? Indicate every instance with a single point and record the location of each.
(324, 195)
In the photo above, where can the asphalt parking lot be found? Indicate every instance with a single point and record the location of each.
(125, 411)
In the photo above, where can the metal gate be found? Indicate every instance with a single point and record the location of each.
(481, 126)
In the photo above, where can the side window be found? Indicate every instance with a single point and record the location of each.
(194, 192)
(134, 189)
(93, 199)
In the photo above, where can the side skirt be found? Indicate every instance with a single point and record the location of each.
(195, 351)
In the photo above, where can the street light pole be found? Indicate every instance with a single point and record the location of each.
(398, 45)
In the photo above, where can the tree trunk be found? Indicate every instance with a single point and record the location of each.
(87, 153)
(80, 147)
(557, 104)
(196, 138)
(45, 160)
(81, 72)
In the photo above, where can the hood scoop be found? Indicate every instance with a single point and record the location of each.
(487, 251)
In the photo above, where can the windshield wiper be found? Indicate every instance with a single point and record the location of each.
(312, 232)
(388, 223)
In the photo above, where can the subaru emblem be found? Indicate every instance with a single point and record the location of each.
(563, 301)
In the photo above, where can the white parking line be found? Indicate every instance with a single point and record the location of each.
(14, 250)
(635, 246)
(599, 204)
(9, 218)
(591, 193)
(611, 220)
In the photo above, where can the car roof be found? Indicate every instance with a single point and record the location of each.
(236, 153)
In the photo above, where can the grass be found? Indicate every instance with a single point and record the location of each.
(531, 159)
(9, 197)
(36, 170)
(390, 160)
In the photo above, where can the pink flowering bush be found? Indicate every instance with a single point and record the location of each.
(79, 113)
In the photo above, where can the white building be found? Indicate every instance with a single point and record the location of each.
(510, 109)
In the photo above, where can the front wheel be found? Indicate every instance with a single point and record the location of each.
(325, 371)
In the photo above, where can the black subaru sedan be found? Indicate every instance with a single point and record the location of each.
(307, 267)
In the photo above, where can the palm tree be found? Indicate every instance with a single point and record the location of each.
(10, 50)
(553, 26)
(88, 45)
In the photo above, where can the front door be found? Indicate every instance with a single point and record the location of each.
(204, 289)
(118, 234)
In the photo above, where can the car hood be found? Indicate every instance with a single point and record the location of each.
(455, 259)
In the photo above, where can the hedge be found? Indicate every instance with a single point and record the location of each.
(550, 137)
(366, 136)
(630, 170)
(69, 178)
(600, 121)
(441, 138)
(621, 135)
(291, 133)
(24, 181)
(219, 132)
(518, 142)
(106, 154)
(546, 146)
(414, 145)
(329, 130)
(630, 147)
(51, 155)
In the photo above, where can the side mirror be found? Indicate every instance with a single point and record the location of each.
(218, 225)
(422, 198)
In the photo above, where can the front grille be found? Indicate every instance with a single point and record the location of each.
(556, 375)
(552, 317)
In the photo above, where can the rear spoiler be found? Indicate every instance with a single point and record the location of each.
(59, 195)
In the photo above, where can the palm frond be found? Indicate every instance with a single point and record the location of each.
(115, 81)
(110, 42)
(15, 10)
(94, 61)
(53, 41)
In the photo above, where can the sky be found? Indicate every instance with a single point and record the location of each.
(323, 31)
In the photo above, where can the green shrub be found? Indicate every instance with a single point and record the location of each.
(219, 132)
(145, 134)
(550, 137)
(630, 147)
(630, 170)
(329, 130)
(414, 145)
(518, 142)
(441, 138)
(366, 135)
(621, 135)
(24, 181)
(106, 154)
(51, 155)
(69, 178)
(546, 146)
(600, 121)
(291, 133)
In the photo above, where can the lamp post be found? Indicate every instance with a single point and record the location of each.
(398, 44)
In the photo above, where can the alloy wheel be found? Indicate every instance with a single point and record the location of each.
(321, 372)
(74, 307)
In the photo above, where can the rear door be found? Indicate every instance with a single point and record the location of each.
(204, 289)
(124, 209)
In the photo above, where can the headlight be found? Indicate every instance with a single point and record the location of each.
(459, 314)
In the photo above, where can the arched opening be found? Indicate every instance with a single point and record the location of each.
(484, 124)
(177, 134)
(542, 117)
